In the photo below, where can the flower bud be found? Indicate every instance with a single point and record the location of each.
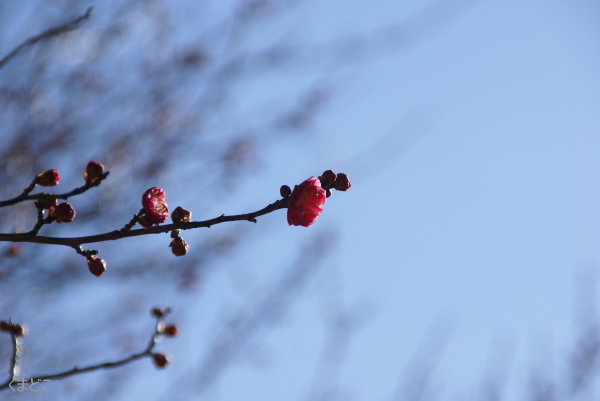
(160, 360)
(20, 330)
(342, 183)
(48, 178)
(144, 221)
(180, 214)
(285, 191)
(48, 204)
(170, 330)
(63, 213)
(179, 247)
(328, 178)
(93, 172)
(157, 312)
(96, 266)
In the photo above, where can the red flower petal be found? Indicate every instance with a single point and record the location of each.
(155, 205)
(305, 203)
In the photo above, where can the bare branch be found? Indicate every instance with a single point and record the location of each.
(46, 34)
(75, 371)
(24, 196)
(74, 242)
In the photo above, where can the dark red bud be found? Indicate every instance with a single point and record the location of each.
(170, 330)
(160, 360)
(285, 191)
(157, 312)
(93, 172)
(342, 182)
(328, 178)
(179, 247)
(96, 266)
(180, 214)
(63, 213)
(19, 330)
(48, 178)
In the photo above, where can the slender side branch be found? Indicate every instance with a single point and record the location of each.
(25, 196)
(14, 360)
(46, 34)
(74, 242)
(75, 371)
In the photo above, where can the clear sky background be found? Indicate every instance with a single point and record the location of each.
(471, 137)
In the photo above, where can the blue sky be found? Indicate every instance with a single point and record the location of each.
(472, 146)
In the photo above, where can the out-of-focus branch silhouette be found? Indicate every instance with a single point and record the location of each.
(46, 34)
(159, 359)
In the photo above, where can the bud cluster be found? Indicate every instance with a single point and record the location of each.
(170, 330)
(331, 180)
(305, 201)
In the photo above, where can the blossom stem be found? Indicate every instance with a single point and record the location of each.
(74, 242)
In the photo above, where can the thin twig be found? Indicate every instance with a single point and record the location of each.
(46, 34)
(24, 196)
(75, 371)
(13, 370)
(118, 234)
(14, 361)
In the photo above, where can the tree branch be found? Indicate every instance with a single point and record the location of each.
(46, 34)
(24, 196)
(75, 371)
(74, 242)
